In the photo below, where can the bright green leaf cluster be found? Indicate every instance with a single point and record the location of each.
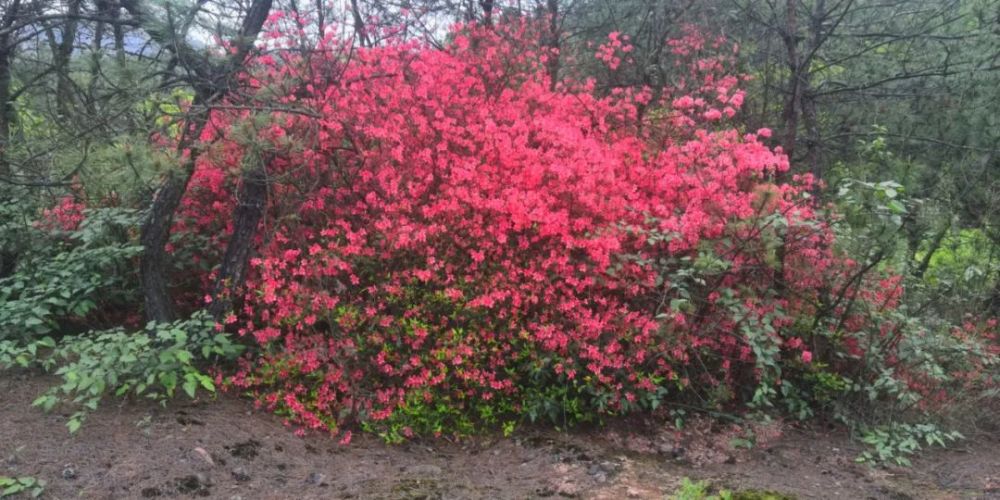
(10, 486)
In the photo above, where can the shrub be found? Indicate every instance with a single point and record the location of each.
(452, 241)
(151, 363)
(79, 270)
(455, 239)
(83, 262)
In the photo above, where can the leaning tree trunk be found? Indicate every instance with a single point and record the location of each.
(211, 84)
(155, 231)
(251, 203)
(154, 236)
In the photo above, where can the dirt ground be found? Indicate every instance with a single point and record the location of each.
(225, 449)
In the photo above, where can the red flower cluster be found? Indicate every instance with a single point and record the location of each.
(65, 216)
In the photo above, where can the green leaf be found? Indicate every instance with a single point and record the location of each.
(206, 382)
(169, 381)
(183, 356)
(190, 386)
(45, 401)
(83, 307)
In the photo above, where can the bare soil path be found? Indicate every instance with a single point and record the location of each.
(225, 449)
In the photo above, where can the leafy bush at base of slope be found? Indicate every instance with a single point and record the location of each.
(152, 363)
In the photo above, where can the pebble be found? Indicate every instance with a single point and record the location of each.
(240, 474)
(603, 469)
(670, 450)
(569, 490)
(202, 454)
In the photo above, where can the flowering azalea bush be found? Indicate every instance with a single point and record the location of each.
(451, 240)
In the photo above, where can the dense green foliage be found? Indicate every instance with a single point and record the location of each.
(66, 272)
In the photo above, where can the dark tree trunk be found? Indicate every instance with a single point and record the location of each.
(487, 6)
(155, 231)
(154, 236)
(469, 11)
(251, 203)
(320, 18)
(811, 157)
(992, 305)
(6, 107)
(359, 25)
(96, 52)
(119, 34)
(925, 263)
(211, 84)
(808, 98)
(800, 102)
(552, 66)
(63, 52)
(790, 114)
